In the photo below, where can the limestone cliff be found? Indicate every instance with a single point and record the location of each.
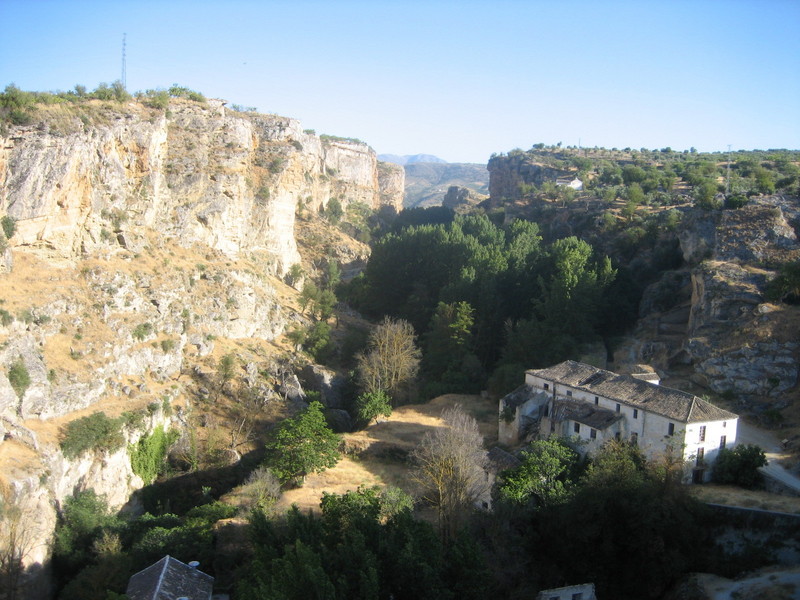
(507, 172)
(198, 173)
(149, 244)
(719, 323)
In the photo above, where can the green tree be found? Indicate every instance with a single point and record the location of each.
(739, 466)
(303, 444)
(226, 369)
(18, 377)
(9, 226)
(543, 478)
(449, 363)
(80, 523)
(371, 405)
(785, 287)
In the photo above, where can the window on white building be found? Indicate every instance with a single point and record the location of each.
(701, 452)
(635, 413)
(577, 427)
(547, 386)
(593, 434)
(596, 400)
(722, 442)
(569, 393)
(618, 407)
(702, 433)
(671, 429)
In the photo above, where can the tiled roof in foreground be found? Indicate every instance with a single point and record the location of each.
(668, 402)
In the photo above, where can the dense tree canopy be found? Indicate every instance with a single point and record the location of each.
(481, 292)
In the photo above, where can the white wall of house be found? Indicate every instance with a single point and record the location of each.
(652, 431)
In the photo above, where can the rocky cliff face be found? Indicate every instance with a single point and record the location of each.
(148, 244)
(720, 323)
(198, 173)
(506, 173)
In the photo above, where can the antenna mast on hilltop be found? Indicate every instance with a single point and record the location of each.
(728, 174)
(124, 68)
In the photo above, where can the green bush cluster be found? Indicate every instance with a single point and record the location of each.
(96, 552)
(18, 377)
(141, 331)
(93, 432)
(149, 454)
(9, 226)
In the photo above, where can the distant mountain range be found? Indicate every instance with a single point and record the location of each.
(427, 183)
(410, 159)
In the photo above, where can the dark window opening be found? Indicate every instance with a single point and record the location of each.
(702, 433)
(635, 439)
(635, 413)
(569, 393)
(671, 429)
(701, 452)
(617, 407)
(722, 442)
(547, 386)
(576, 428)
(596, 400)
(593, 434)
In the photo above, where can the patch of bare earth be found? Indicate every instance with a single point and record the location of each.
(378, 455)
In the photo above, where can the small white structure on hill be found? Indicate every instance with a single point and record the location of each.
(573, 182)
(595, 405)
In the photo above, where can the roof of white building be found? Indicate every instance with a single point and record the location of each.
(671, 403)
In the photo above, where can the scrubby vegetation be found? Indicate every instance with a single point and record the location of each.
(93, 432)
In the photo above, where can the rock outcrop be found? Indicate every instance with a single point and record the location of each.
(461, 199)
(507, 172)
(198, 173)
(713, 315)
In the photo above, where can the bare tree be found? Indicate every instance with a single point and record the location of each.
(451, 469)
(16, 542)
(391, 360)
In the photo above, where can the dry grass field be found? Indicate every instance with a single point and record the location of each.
(378, 454)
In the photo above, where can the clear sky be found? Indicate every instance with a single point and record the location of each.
(458, 79)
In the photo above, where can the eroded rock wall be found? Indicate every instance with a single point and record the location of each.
(198, 173)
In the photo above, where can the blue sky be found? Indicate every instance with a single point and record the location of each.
(460, 80)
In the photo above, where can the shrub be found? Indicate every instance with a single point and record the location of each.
(168, 345)
(140, 332)
(739, 466)
(6, 318)
(94, 432)
(18, 377)
(9, 226)
(148, 455)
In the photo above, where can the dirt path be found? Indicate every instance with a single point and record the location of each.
(748, 434)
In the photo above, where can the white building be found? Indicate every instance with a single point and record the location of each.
(573, 182)
(576, 399)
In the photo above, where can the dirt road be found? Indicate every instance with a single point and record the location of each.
(748, 434)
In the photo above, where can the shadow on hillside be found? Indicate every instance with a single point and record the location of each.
(182, 492)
